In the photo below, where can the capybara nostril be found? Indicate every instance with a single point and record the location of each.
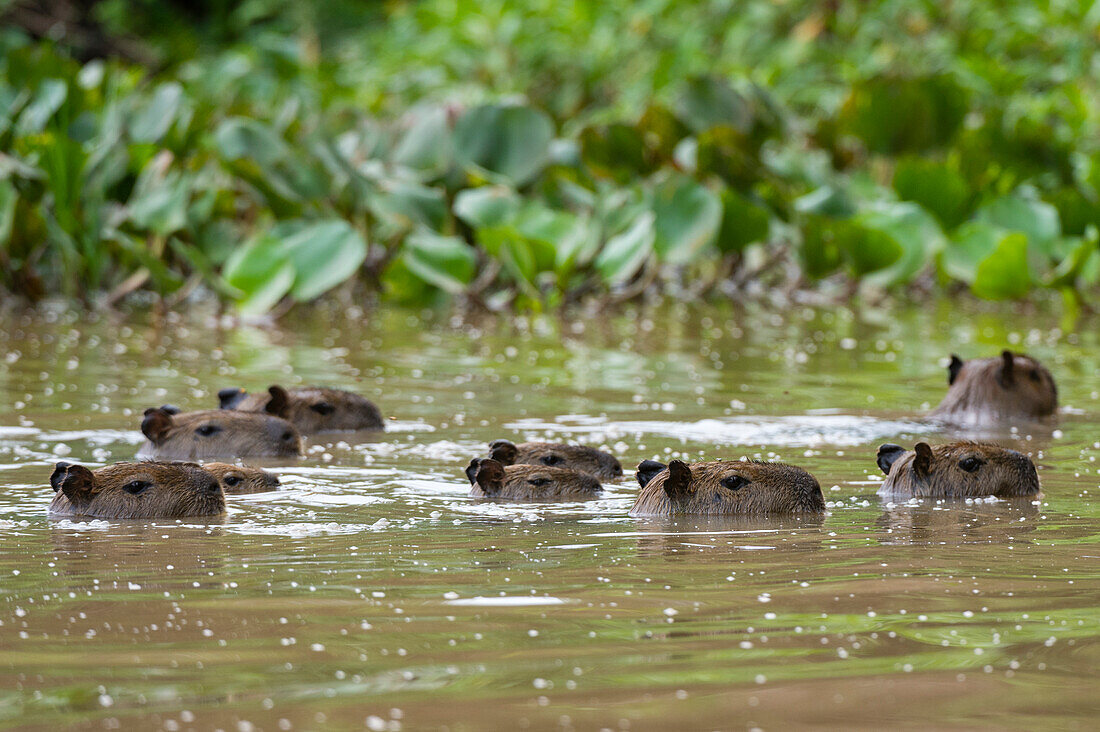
(287, 436)
(212, 487)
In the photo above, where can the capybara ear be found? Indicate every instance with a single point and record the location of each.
(156, 424)
(1006, 375)
(953, 369)
(278, 402)
(487, 473)
(503, 452)
(230, 397)
(678, 484)
(170, 409)
(922, 463)
(888, 454)
(646, 470)
(75, 481)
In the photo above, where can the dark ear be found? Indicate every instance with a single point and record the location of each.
(953, 369)
(503, 452)
(1005, 374)
(678, 484)
(170, 409)
(922, 463)
(888, 454)
(156, 424)
(278, 402)
(646, 470)
(231, 397)
(487, 473)
(75, 481)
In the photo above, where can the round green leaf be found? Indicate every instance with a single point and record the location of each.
(323, 255)
(261, 272)
(624, 254)
(509, 141)
(688, 216)
(1004, 274)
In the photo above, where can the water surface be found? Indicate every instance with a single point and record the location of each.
(370, 591)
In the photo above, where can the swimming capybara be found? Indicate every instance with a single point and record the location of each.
(242, 478)
(956, 470)
(312, 409)
(216, 433)
(984, 390)
(557, 455)
(135, 490)
(491, 479)
(725, 488)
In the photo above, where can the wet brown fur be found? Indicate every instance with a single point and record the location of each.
(311, 409)
(242, 478)
(761, 489)
(558, 455)
(490, 479)
(186, 436)
(1011, 386)
(938, 472)
(164, 490)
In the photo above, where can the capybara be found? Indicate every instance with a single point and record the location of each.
(956, 470)
(491, 479)
(242, 478)
(984, 390)
(725, 488)
(557, 455)
(135, 490)
(312, 409)
(216, 433)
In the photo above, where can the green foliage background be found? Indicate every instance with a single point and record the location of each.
(533, 154)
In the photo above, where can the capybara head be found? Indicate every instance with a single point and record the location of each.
(215, 433)
(997, 389)
(957, 470)
(736, 487)
(557, 455)
(312, 409)
(490, 479)
(135, 490)
(242, 478)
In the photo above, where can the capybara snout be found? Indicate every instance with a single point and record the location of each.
(589, 460)
(956, 470)
(312, 409)
(736, 487)
(491, 479)
(135, 490)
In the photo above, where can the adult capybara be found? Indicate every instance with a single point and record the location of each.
(557, 455)
(216, 433)
(135, 490)
(491, 479)
(985, 390)
(725, 488)
(956, 470)
(242, 478)
(312, 409)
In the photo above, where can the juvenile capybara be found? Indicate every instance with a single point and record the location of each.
(956, 470)
(725, 488)
(135, 490)
(491, 479)
(312, 409)
(984, 390)
(216, 433)
(242, 478)
(557, 455)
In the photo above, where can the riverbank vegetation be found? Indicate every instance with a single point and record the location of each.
(533, 155)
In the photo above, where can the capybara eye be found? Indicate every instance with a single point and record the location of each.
(550, 459)
(1034, 375)
(734, 482)
(208, 429)
(539, 482)
(232, 479)
(136, 486)
(970, 464)
(322, 408)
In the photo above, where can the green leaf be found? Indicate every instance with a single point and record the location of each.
(512, 142)
(152, 121)
(262, 272)
(938, 188)
(623, 255)
(47, 100)
(1038, 220)
(323, 255)
(426, 145)
(971, 243)
(743, 222)
(688, 217)
(444, 261)
(913, 229)
(8, 197)
(486, 206)
(1005, 273)
(893, 114)
(709, 101)
(614, 151)
(237, 138)
(404, 206)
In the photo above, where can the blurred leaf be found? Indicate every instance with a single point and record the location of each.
(404, 206)
(446, 262)
(743, 222)
(828, 200)
(1004, 274)
(323, 255)
(486, 206)
(426, 145)
(510, 141)
(894, 114)
(1036, 219)
(152, 121)
(614, 151)
(914, 231)
(262, 272)
(237, 138)
(47, 100)
(971, 243)
(938, 188)
(1073, 267)
(820, 251)
(8, 197)
(709, 101)
(688, 216)
(624, 254)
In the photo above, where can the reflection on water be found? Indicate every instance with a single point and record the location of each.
(369, 590)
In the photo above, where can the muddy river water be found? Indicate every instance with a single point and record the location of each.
(370, 592)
